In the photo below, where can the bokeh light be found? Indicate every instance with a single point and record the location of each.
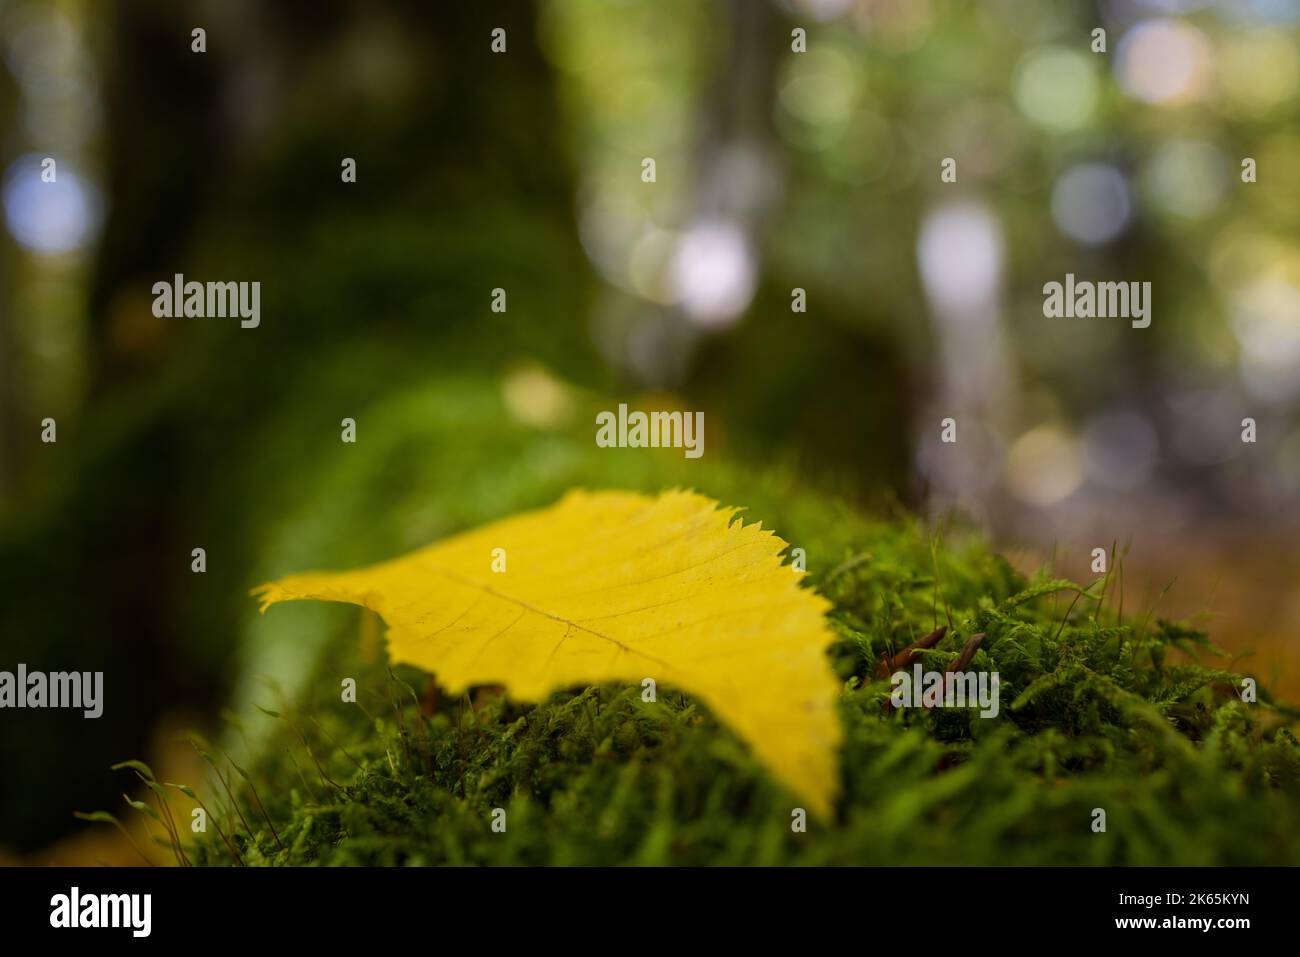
(1164, 62)
(1120, 449)
(1091, 203)
(49, 217)
(1266, 320)
(1258, 72)
(960, 255)
(816, 98)
(1044, 466)
(1186, 178)
(714, 273)
(1056, 88)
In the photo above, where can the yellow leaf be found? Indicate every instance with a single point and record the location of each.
(617, 586)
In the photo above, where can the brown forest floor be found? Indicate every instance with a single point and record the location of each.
(1242, 586)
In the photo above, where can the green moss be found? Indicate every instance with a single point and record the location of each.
(1095, 714)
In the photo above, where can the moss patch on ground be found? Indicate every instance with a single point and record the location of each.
(1095, 714)
(1134, 715)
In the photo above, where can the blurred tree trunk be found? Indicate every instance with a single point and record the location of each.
(226, 166)
(164, 150)
(817, 381)
(11, 404)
